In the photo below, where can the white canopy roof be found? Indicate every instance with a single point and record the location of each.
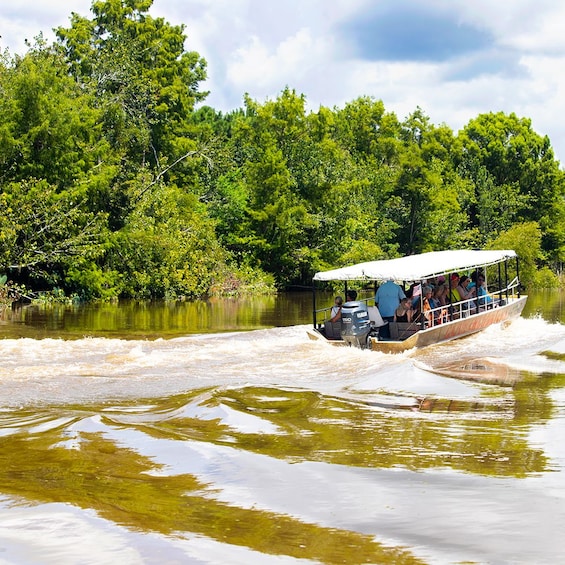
(417, 267)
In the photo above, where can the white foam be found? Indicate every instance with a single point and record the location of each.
(35, 371)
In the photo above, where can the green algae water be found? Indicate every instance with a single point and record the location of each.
(217, 433)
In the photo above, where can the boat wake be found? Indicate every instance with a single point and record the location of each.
(508, 353)
(54, 371)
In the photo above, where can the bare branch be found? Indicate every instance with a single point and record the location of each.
(164, 171)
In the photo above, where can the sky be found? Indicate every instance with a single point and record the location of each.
(453, 59)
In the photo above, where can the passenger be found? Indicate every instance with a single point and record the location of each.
(426, 305)
(483, 297)
(421, 306)
(387, 299)
(437, 301)
(404, 311)
(440, 294)
(453, 292)
(465, 293)
(434, 301)
(336, 309)
(410, 292)
(351, 295)
(473, 285)
(474, 276)
(415, 295)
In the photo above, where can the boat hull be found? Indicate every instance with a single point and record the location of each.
(454, 329)
(440, 333)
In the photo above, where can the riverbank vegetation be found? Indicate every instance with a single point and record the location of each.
(118, 181)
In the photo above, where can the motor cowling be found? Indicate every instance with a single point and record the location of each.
(355, 323)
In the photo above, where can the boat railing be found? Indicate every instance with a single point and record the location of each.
(322, 315)
(464, 308)
(450, 311)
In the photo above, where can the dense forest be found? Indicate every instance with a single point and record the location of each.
(118, 181)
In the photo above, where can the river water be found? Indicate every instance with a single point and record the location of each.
(164, 434)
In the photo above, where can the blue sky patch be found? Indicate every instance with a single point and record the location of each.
(410, 31)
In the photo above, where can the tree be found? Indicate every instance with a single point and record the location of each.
(526, 183)
(167, 248)
(44, 232)
(525, 239)
(428, 192)
(50, 129)
(145, 83)
(368, 131)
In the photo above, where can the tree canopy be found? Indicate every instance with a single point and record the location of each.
(117, 181)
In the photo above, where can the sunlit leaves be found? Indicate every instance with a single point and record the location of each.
(49, 128)
(44, 231)
(525, 181)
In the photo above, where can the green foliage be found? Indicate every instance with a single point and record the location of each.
(167, 248)
(144, 80)
(516, 176)
(545, 278)
(525, 239)
(89, 281)
(49, 127)
(115, 184)
(243, 279)
(43, 232)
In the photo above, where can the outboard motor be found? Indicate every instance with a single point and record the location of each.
(355, 323)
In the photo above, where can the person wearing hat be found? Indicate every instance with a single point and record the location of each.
(454, 295)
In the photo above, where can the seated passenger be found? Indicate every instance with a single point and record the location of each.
(335, 314)
(473, 283)
(465, 293)
(404, 311)
(416, 295)
(412, 290)
(483, 297)
(351, 296)
(453, 292)
(426, 305)
(437, 301)
(440, 294)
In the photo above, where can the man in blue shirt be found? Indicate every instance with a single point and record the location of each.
(387, 299)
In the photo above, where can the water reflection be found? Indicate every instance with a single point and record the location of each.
(482, 370)
(86, 459)
(150, 320)
(550, 304)
(267, 442)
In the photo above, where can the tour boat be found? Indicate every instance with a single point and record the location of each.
(362, 325)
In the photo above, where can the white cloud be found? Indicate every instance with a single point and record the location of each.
(255, 64)
(25, 19)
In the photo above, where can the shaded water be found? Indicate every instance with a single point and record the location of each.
(160, 434)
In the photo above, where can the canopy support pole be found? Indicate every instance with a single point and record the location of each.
(314, 304)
